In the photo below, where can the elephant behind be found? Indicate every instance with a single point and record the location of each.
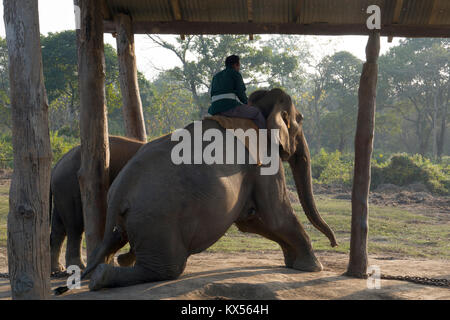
(67, 214)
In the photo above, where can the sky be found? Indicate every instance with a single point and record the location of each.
(58, 15)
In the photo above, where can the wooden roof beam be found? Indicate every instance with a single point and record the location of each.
(396, 17)
(432, 18)
(187, 27)
(176, 10)
(298, 11)
(250, 16)
(105, 10)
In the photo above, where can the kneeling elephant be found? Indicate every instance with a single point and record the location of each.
(168, 212)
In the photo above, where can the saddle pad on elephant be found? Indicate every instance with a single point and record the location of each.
(239, 123)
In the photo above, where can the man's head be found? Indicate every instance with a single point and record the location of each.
(233, 62)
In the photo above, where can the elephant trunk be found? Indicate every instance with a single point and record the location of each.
(300, 163)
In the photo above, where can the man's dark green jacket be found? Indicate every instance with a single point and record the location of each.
(227, 81)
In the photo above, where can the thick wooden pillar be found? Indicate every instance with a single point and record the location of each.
(132, 105)
(28, 218)
(365, 127)
(93, 174)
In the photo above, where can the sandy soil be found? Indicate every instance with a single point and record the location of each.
(262, 276)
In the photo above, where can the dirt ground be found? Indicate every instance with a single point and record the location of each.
(262, 276)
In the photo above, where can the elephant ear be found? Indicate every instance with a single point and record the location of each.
(278, 119)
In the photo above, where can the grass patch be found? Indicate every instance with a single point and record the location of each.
(4, 208)
(393, 231)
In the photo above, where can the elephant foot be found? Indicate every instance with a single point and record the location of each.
(76, 262)
(126, 259)
(99, 277)
(308, 263)
(57, 268)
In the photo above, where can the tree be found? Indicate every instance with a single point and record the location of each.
(365, 130)
(28, 218)
(203, 56)
(93, 175)
(59, 52)
(415, 79)
(340, 84)
(172, 106)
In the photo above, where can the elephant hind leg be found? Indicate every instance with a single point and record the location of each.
(57, 236)
(73, 252)
(75, 228)
(167, 264)
(108, 276)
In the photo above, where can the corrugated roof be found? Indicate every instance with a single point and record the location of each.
(397, 15)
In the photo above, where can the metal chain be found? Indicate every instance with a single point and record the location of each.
(59, 274)
(53, 275)
(419, 280)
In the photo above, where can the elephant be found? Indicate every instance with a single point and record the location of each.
(66, 214)
(169, 211)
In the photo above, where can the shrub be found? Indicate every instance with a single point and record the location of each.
(403, 169)
(6, 152)
(332, 168)
(61, 145)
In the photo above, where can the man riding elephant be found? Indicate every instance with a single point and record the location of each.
(228, 95)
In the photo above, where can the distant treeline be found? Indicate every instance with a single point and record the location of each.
(412, 100)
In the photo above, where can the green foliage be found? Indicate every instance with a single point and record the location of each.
(5, 111)
(61, 145)
(332, 168)
(392, 231)
(6, 152)
(403, 169)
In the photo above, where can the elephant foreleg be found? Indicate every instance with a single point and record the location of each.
(256, 226)
(284, 228)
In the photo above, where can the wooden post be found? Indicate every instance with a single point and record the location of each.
(28, 218)
(365, 127)
(132, 105)
(94, 171)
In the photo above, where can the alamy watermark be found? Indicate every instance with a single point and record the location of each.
(221, 149)
(374, 20)
(374, 277)
(74, 280)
